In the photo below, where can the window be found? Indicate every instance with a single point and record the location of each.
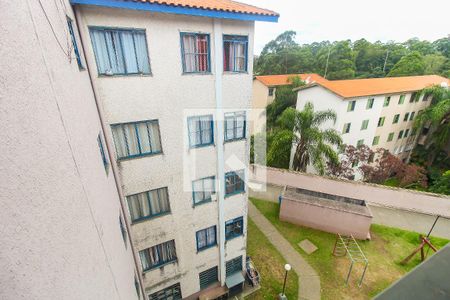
(234, 228)
(195, 52)
(74, 43)
(370, 103)
(413, 96)
(426, 96)
(235, 53)
(102, 152)
(271, 92)
(235, 124)
(346, 128)
(390, 137)
(406, 133)
(206, 238)
(411, 117)
(137, 287)
(376, 140)
(387, 100)
(381, 121)
(202, 189)
(233, 266)
(400, 134)
(120, 51)
(158, 255)
(208, 277)
(405, 118)
(136, 139)
(401, 100)
(417, 97)
(413, 132)
(396, 118)
(200, 131)
(364, 124)
(123, 230)
(351, 106)
(359, 143)
(148, 204)
(170, 293)
(234, 183)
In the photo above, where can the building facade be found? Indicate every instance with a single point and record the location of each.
(174, 87)
(375, 112)
(64, 232)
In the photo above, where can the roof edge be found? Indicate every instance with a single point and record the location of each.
(162, 8)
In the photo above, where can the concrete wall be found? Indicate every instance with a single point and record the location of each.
(60, 210)
(325, 218)
(170, 97)
(260, 100)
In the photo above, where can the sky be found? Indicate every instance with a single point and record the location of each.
(384, 20)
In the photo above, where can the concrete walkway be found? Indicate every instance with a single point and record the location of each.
(308, 279)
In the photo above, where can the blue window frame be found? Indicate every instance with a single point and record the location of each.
(148, 204)
(234, 228)
(158, 255)
(235, 48)
(234, 182)
(195, 52)
(235, 126)
(206, 238)
(202, 189)
(120, 51)
(136, 139)
(169, 293)
(201, 132)
(102, 152)
(74, 43)
(233, 266)
(208, 277)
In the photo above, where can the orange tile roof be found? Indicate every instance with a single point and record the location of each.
(276, 80)
(380, 86)
(218, 5)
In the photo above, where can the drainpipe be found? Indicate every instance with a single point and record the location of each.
(111, 156)
(218, 70)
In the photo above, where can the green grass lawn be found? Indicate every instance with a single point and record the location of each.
(270, 265)
(386, 249)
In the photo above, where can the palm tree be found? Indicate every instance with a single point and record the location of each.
(314, 146)
(437, 116)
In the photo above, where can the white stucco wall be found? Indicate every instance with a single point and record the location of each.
(60, 210)
(170, 96)
(260, 100)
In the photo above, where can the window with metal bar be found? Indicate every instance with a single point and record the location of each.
(235, 124)
(74, 43)
(396, 118)
(158, 255)
(370, 102)
(406, 117)
(136, 139)
(381, 121)
(200, 131)
(120, 51)
(401, 100)
(235, 53)
(170, 293)
(206, 238)
(195, 52)
(387, 100)
(234, 182)
(202, 189)
(102, 152)
(233, 266)
(208, 277)
(234, 228)
(148, 204)
(351, 105)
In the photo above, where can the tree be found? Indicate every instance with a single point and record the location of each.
(412, 176)
(350, 157)
(313, 145)
(437, 117)
(279, 152)
(411, 64)
(337, 62)
(434, 63)
(442, 185)
(384, 167)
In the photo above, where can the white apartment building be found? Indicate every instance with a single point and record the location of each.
(263, 93)
(174, 83)
(63, 229)
(377, 112)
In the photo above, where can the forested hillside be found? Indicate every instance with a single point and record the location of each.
(358, 59)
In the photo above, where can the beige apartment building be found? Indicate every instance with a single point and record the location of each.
(263, 93)
(377, 112)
